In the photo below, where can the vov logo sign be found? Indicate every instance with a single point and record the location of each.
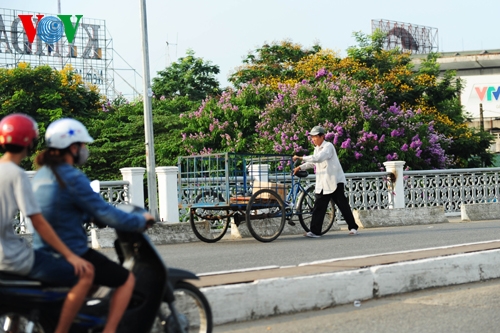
(50, 29)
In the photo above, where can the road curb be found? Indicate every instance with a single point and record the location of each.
(435, 272)
(284, 295)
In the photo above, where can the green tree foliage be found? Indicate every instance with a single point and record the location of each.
(436, 95)
(119, 132)
(120, 140)
(190, 78)
(46, 95)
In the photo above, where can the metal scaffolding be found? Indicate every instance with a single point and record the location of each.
(90, 53)
(408, 37)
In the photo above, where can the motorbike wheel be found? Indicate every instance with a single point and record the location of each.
(194, 311)
(17, 322)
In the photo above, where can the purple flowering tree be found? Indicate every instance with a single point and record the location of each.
(226, 122)
(363, 129)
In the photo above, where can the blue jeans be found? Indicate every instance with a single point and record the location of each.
(53, 269)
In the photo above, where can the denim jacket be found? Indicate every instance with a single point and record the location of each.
(68, 208)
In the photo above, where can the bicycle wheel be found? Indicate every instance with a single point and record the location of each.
(305, 208)
(265, 215)
(209, 225)
(195, 314)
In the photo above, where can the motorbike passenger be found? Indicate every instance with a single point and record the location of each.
(60, 266)
(68, 201)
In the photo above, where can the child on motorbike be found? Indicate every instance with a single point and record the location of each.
(68, 201)
(17, 135)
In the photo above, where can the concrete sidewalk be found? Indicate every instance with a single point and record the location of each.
(246, 295)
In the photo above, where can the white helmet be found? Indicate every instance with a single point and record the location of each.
(66, 131)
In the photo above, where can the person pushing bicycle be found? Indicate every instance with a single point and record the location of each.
(330, 180)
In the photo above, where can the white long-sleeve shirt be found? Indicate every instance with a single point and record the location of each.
(328, 169)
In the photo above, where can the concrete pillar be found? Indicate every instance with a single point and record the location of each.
(398, 199)
(135, 177)
(259, 172)
(167, 193)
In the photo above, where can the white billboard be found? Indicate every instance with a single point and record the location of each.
(481, 89)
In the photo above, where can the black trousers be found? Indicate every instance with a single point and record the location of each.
(321, 205)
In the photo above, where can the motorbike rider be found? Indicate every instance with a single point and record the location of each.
(68, 201)
(61, 266)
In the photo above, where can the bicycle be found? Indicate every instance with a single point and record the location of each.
(266, 219)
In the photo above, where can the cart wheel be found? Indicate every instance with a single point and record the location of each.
(305, 207)
(209, 225)
(265, 215)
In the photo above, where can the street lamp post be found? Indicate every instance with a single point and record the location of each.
(148, 117)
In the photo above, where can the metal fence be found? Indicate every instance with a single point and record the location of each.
(451, 188)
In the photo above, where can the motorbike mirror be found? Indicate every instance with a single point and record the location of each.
(96, 186)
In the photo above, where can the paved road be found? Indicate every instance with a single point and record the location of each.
(466, 308)
(225, 255)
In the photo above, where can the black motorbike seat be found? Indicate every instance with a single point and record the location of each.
(15, 280)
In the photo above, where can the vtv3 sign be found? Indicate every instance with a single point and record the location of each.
(489, 91)
(50, 29)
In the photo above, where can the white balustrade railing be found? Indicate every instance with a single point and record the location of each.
(450, 188)
(115, 191)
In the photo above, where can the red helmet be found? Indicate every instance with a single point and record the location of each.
(18, 129)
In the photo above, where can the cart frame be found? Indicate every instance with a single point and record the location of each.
(256, 189)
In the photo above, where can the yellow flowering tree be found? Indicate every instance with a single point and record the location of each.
(272, 64)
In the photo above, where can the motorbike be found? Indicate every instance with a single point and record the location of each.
(163, 299)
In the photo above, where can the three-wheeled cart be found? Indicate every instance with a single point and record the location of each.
(256, 189)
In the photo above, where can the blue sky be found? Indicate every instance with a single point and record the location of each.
(224, 31)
